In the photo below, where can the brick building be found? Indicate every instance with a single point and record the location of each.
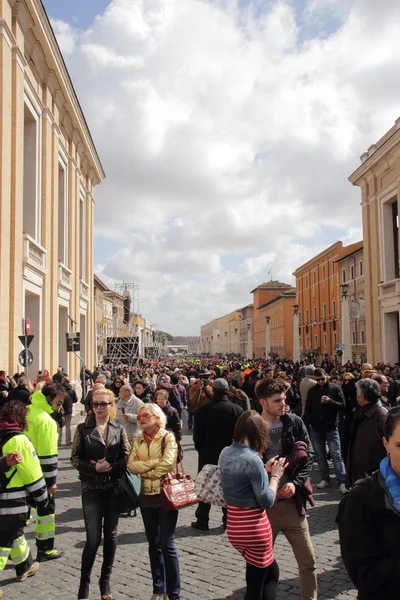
(279, 316)
(351, 270)
(263, 294)
(318, 297)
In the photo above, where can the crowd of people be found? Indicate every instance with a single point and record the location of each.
(263, 423)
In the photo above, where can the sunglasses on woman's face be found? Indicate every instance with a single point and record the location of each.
(101, 404)
(145, 416)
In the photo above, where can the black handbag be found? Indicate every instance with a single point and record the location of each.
(127, 491)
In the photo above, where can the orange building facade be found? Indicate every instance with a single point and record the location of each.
(278, 316)
(263, 294)
(318, 297)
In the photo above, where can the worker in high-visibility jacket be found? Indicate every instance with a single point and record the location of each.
(21, 485)
(43, 432)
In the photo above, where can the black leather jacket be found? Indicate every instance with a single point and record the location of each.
(88, 446)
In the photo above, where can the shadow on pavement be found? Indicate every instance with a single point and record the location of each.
(324, 583)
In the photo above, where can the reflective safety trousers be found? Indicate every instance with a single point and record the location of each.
(14, 545)
(45, 527)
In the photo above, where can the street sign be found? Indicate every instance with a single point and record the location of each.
(27, 326)
(337, 346)
(25, 358)
(28, 339)
(73, 341)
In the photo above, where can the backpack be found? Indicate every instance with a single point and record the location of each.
(4, 480)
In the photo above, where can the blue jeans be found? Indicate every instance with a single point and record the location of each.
(160, 526)
(319, 440)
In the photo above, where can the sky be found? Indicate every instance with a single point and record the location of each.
(227, 130)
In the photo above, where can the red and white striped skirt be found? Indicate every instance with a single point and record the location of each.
(249, 531)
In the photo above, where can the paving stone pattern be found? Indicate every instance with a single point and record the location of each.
(210, 568)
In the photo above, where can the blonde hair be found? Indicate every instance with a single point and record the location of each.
(368, 373)
(349, 375)
(157, 412)
(111, 398)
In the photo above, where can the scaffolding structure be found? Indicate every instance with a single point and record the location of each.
(123, 335)
(123, 344)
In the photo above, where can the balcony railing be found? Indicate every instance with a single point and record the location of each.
(84, 289)
(64, 275)
(390, 287)
(34, 254)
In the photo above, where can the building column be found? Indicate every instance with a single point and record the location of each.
(249, 342)
(267, 337)
(15, 201)
(296, 336)
(6, 131)
(346, 334)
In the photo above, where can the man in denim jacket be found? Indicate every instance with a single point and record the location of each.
(287, 514)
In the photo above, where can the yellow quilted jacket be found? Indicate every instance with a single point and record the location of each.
(150, 462)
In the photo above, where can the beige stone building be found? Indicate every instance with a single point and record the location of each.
(49, 169)
(224, 334)
(378, 177)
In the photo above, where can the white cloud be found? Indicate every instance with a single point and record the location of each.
(227, 139)
(66, 36)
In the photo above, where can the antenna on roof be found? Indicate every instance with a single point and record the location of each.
(270, 272)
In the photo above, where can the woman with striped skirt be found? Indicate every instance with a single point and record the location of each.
(248, 492)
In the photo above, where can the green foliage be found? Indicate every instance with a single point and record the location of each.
(167, 335)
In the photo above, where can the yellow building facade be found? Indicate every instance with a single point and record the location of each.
(223, 335)
(49, 169)
(378, 178)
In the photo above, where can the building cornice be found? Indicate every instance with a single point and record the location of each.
(45, 39)
(376, 153)
(6, 33)
(336, 246)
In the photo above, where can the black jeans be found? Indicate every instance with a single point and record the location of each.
(261, 583)
(160, 528)
(202, 513)
(100, 514)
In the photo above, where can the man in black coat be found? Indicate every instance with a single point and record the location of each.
(214, 424)
(324, 400)
(366, 446)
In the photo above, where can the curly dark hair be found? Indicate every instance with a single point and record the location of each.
(15, 411)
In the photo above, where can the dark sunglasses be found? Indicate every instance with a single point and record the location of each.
(320, 379)
(101, 404)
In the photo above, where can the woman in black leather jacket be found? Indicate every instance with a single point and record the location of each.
(100, 452)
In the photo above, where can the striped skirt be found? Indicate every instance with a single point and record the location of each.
(249, 531)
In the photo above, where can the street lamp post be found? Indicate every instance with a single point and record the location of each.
(296, 336)
(346, 334)
(267, 337)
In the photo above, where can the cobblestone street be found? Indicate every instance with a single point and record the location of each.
(210, 568)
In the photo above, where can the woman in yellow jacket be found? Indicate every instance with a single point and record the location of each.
(154, 454)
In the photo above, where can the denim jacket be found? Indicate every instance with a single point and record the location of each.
(244, 479)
